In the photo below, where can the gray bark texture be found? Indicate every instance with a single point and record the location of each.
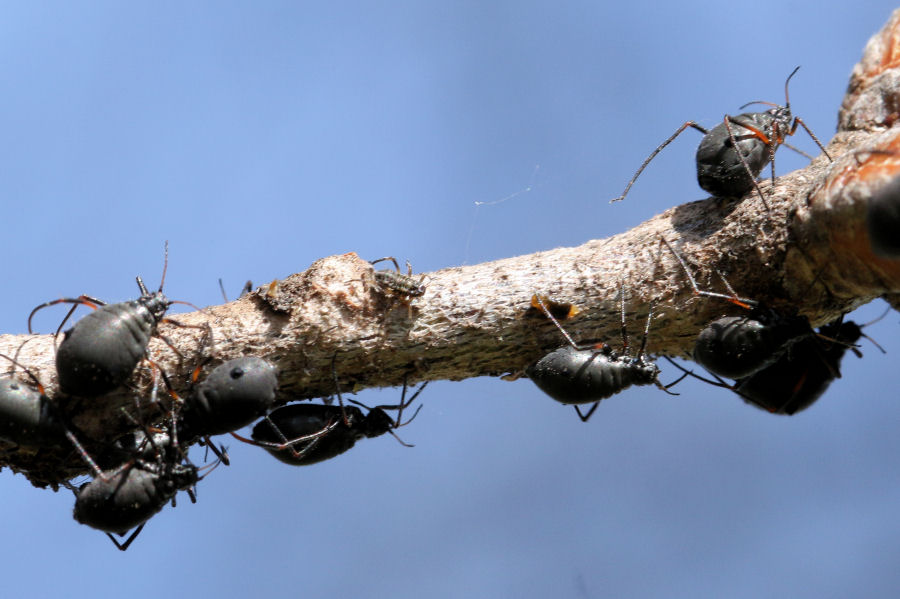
(808, 254)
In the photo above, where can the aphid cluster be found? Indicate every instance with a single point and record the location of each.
(98, 355)
(778, 361)
(153, 466)
(300, 434)
(799, 375)
(804, 372)
(136, 475)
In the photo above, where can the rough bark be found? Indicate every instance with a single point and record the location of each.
(809, 254)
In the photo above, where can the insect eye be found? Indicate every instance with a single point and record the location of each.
(237, 372)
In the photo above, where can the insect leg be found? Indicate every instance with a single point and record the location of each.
(124, 546)
(744, 160)
(654, 153)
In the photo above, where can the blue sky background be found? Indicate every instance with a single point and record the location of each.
(257, 139)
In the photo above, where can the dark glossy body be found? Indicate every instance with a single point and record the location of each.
(100, 352)
(300, 420)
(27, 416)
(883, 220)
(720, 170)
(131, 496)
(802, 374)
(580, 376)
(235, 393)
(738, 346)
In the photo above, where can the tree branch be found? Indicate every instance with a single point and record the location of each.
(810, 253)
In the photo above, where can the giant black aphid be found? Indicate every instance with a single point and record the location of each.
(581, 374)
(302, 434)
(128, 497)
(738, 346)
(733, 153)
(233, 395)
(802, 374)
(99, 353)
(31, 419)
